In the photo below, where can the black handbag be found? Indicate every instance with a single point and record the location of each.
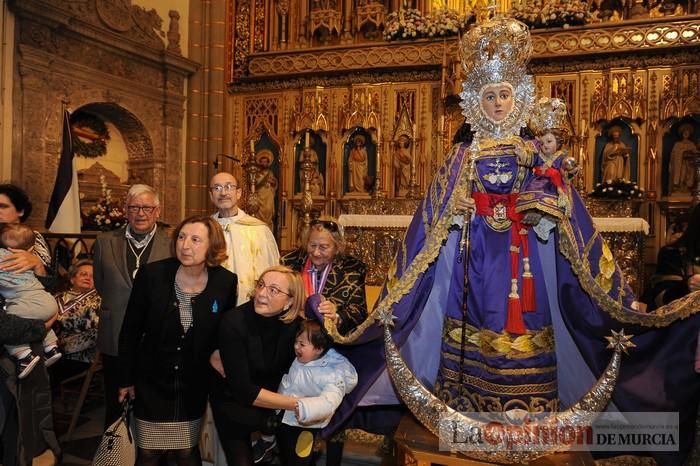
(117, 446)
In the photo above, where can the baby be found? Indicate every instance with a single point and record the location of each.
(26, 297)
(320, 377)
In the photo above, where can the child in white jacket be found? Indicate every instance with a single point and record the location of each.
(320, 377)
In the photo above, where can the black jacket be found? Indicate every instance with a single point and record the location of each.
(168, 367)
(256, 352)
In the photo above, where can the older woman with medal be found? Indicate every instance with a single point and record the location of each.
(168, 335)
(334, 279)
(488, 316)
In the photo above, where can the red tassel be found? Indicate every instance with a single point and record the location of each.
(514, 323)
(529, 302)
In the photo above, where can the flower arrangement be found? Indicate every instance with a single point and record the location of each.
(410, 23)
(617, 190)
(105, 215)
(403, 24)
(551, 13)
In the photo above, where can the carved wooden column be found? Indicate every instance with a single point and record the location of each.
(379, 192)
(283, 11)
(413, 188)
(346, 37)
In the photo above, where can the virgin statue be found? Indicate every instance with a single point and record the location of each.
(490, 317)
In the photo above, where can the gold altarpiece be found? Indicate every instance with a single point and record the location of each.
(643, 74)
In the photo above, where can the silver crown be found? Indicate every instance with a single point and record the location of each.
(550, 114)
(497, 51)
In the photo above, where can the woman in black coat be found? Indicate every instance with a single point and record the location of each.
(257, 347)
(168, 335)
(28, 428)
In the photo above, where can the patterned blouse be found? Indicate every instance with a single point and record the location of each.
(76, 325)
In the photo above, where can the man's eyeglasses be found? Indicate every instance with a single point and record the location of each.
(218, 188)
(329, 225)
(147, 209)
(272, 289)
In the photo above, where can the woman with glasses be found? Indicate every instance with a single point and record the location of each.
(256, 343)
(168, 335)
(335, 279)
(76, 326)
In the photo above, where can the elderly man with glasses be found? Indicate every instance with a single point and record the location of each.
(118, 256)
(250, 244)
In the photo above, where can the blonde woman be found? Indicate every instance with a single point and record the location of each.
(256, 342)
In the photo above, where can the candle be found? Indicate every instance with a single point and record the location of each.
(306, 140)
(379, 135)
(252, 145)
(235, 148)
(414, 130)
(583, 127)
(441, 128)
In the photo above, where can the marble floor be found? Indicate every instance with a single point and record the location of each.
(361, 449)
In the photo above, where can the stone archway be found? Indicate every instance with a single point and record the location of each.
(139, 149)
(75, 56)
(138, 142)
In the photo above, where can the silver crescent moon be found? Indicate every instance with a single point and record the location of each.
(430, 410)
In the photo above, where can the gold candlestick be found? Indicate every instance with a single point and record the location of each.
(251, 168)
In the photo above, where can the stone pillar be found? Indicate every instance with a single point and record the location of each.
(207, 101)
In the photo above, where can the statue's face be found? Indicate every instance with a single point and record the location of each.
(549, 144)
(264, 160)
(497, 101)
